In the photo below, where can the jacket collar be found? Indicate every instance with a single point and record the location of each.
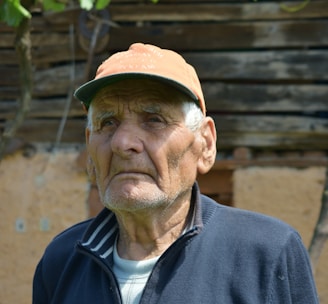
(101, 234)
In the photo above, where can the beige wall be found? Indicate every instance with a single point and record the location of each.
(293, 195)
(44, 194)
(41, 191)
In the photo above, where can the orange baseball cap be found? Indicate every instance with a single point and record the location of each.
(145, 61)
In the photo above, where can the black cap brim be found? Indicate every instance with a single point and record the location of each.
(86, 92)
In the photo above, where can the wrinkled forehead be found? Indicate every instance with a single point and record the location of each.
(139, 93)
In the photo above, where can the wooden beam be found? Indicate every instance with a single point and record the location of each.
(271, 140)
(275, 124)
(214, 12)
(45, 130)
(260, 65)
(223, 97)
(198, 12)
(211, 36)
(256, 65)
(217, 36)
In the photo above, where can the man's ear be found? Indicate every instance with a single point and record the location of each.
(208, 136)
(87, 135)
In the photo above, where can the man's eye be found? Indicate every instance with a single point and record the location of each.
(155, 121)
(108, 123)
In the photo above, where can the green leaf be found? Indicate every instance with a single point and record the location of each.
(86, 4)
(12, 12)
(294, 9)
(53, 5)
(101, 4)
(22, 10)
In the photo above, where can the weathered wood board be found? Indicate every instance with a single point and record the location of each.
(264, 70)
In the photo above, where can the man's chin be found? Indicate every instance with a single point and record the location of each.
(131, 197)
(132, 186)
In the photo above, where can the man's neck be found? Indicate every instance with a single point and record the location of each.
(144, 235)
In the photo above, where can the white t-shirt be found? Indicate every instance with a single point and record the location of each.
(132, 276)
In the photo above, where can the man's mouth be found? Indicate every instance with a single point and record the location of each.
(131, 174)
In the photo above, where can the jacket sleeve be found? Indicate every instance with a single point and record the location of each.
(40, 295)
(292, 279)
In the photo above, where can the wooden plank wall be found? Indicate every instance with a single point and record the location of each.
(264, 70)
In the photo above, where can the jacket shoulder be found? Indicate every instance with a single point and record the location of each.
(62, 245)
(246, 226)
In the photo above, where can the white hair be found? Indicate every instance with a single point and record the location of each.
(193, 116)
(89, 118)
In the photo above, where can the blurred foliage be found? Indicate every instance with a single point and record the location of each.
(13, 12)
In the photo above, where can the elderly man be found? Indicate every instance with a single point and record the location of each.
(158, 240)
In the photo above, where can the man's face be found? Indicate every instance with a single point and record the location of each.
(144, 155)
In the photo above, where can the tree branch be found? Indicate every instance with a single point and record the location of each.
(23, 50)
(321, 230)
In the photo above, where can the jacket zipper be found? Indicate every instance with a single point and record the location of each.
(167, 256)
(115, 288)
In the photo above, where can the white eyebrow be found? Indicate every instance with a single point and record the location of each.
(154, 108)
(104, 115)
(95, 123)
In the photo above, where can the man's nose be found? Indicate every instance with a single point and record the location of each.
(127, 139)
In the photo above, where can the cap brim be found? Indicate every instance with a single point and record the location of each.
(87, 91)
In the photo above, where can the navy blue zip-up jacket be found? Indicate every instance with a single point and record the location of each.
(230, 256)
